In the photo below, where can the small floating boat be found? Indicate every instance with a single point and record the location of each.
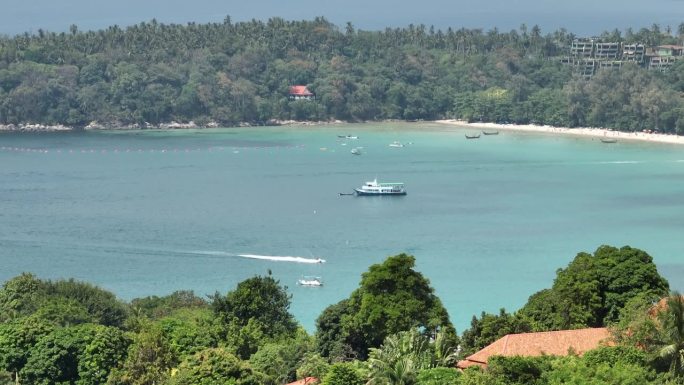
(396, 144)
(356, 151)
(474, 136)
(310, 281)
(608, 140)
(490, 132)
(351, 137)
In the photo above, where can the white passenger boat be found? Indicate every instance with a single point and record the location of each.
(375, 188)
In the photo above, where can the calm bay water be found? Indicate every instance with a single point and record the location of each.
(489, 220)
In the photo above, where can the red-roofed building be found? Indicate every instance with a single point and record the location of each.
(305, 381)
(557, 343)
(660, 306)
(301, 92)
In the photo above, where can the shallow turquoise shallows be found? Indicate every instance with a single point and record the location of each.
(489, 220)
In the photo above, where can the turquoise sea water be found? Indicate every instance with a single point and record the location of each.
(488, 220)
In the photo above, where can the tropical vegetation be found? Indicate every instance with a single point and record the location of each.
(235, 73)
(392, 330)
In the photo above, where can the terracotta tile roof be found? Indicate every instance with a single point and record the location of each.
(305, 381)
(556, 343)
(660, 306)
(300, 91)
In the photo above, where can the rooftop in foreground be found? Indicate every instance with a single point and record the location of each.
(556, 343)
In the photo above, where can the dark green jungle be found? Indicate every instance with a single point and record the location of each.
(241, 73)
(391, 330)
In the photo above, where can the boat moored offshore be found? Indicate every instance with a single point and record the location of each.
(375, 188)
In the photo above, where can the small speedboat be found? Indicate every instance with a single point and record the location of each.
(351, 137)
(396, 144)
(310, 281)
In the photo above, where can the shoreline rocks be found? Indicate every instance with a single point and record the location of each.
(28, 127)
(173, 125)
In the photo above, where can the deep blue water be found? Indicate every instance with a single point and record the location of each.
(489, 220)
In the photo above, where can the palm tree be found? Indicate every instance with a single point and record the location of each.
(445, 349)
(400, 358)
(672, 333)
(401, 372)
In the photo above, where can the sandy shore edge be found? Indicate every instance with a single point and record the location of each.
(584, 131)
(602, 133)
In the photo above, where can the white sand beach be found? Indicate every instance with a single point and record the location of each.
(592, 132)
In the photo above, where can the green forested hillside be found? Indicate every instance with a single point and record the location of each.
(392, 330)
(241, 72)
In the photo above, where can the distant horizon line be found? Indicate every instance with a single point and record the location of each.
(35, 31)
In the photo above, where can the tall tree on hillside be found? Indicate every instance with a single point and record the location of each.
(260, 298)
(392, 297)
(593, 289)
(255, 312)
(21, 296)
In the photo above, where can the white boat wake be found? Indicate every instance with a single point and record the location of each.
(276, 258)
(279, 258)
(622, 162)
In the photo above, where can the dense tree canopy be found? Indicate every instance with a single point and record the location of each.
(57, 332)
(392, 297)
(63, 302)
(240, 72)
(84, 354)
(17, 341)
(612, 287)
(261, 299)
(489, 328)
(593, 289)
(254, 313)
(157, 307)
(216, 366)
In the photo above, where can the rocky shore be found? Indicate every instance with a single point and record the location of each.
(92, 126)
(34, 128)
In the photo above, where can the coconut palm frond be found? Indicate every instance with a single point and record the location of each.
(667, 351)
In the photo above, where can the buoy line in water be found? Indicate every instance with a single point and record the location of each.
(143, 150)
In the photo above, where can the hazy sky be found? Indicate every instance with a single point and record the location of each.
(583, 17)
